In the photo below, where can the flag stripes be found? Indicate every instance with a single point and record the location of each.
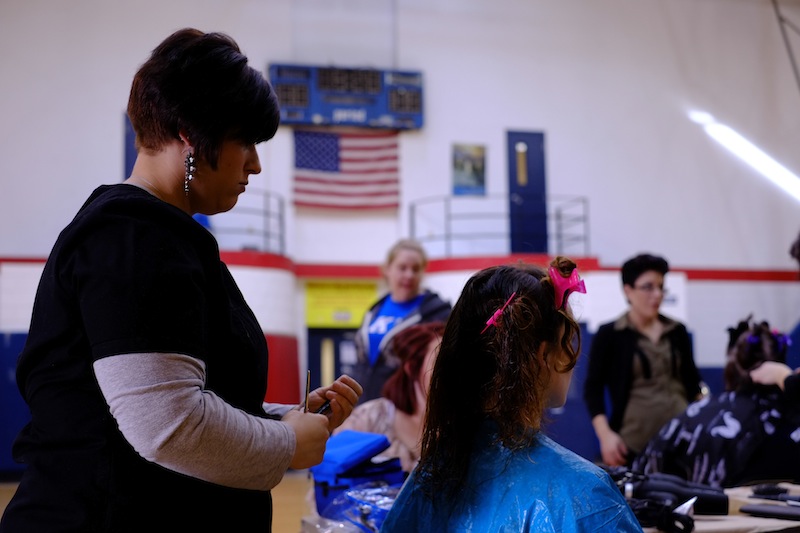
(346, 170)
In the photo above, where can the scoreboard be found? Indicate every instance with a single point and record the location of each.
(371, 98)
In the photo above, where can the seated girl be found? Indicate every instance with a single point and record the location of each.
(507, 354)
(400, 410)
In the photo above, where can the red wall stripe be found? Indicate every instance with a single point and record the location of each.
(257, 259)
(338, 271)
(459, 264)
(455, 264)
(719, 274)
(740, 275)
(23, 259)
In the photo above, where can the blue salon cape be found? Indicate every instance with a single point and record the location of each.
(544, 488)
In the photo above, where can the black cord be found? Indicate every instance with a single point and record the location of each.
(783, 21)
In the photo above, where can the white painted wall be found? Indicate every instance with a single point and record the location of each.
(608, 81)
(18, 283)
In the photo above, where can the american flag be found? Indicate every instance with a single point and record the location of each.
(346, 170)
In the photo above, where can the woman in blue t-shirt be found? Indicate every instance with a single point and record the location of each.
(404, 305)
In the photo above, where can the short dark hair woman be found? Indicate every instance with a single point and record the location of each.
(643, 362)
(144, 369)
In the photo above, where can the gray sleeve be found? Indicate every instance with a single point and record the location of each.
(163, 410)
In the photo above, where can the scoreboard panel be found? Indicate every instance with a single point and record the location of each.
(372, 98)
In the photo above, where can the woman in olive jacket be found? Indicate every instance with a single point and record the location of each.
(643, 363)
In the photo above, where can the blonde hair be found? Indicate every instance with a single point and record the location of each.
(406, 244)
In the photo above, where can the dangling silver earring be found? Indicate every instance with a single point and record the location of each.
(190, 170)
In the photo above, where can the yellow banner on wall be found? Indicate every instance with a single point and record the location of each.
(338, 304)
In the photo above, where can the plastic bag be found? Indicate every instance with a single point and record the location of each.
(364, 506)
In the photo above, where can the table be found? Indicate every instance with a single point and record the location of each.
(738, 522)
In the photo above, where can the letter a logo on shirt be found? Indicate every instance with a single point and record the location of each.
(381, 325)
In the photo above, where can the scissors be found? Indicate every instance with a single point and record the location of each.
(324, 408)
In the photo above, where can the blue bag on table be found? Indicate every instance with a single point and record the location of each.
(352, 458)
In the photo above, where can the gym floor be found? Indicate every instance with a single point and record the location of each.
(288, 500)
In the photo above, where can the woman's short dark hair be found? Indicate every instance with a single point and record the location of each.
(200, 84)
(411, 347)
(638, 265)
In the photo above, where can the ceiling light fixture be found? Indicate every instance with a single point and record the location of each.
(749, 153)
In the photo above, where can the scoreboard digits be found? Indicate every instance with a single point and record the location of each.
(371, 98)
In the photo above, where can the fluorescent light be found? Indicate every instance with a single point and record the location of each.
(701, 117)
(749, 153)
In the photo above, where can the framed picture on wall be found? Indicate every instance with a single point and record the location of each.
(469, 169)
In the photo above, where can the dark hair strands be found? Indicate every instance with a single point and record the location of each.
(638, 265)
(502, 375)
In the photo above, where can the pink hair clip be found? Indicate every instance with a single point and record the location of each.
(573, 283)
(496, 314)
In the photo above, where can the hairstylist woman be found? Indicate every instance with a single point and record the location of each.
(144, 369)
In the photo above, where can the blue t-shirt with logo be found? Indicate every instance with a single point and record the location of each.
(385, 319)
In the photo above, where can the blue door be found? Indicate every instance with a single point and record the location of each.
(527, 201)
(331, 353)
